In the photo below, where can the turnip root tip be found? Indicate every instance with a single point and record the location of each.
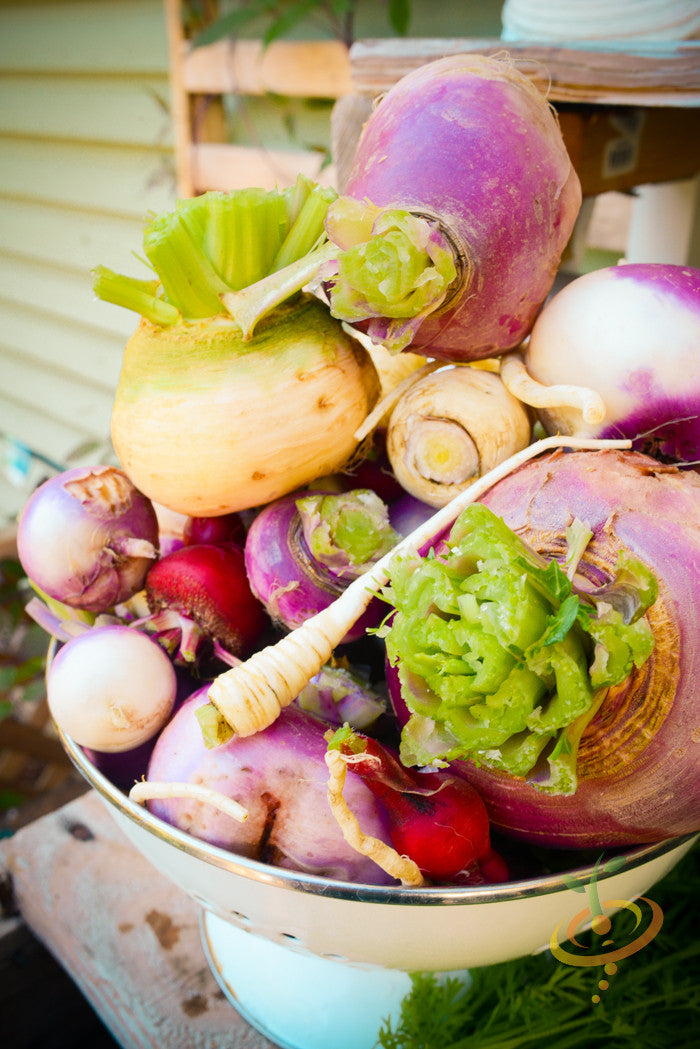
(521, 384)
(145, 790)
(386, 857)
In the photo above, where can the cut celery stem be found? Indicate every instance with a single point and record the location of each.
(251, 304)
(189, 280)
(308, 227)
(133, 294)
(244, 232)
(297, 195)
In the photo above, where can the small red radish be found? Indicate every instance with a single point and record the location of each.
(203, 590)
(227, 528)
(436, 819)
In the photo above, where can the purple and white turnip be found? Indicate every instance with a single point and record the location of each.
(637, 763)
(629, 334)
(467, 155)
(280, 777)
(87, 537)
(302, 550)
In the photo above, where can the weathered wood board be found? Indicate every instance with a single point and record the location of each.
(126, 935)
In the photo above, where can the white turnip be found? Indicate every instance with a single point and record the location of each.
(631, 334)
(111, 688)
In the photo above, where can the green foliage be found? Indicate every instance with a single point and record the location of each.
(273, 19)
(651, 1002)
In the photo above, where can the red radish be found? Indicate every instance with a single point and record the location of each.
(468, 145)
(435, 818)
(227, 528)
(203, 591)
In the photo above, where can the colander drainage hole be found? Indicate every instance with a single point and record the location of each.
(289, 936)
(241, 919)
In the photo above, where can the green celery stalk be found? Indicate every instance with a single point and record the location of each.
(307, 228)
(138, 295)
(244, 232)
(189, 280)
(234, 245)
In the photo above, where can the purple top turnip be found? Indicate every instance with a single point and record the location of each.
(470, 143)
(87, 537)
(280, 776)
(303, 549)
(639, 779)
(632, 334)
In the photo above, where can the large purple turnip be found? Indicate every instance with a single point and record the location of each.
(280, 776)
(639, 757)
(471, 145)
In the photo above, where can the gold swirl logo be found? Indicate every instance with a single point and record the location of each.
(648, 919)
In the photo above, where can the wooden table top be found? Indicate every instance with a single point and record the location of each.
(128, 938)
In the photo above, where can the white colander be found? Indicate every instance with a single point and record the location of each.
(319, 964)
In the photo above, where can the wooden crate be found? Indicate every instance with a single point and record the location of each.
(200, 77)
(630, 114)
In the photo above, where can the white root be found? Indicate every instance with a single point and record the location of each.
(381, 412)
(386, 857)
(450, 427)
(145, 790)
(521, 384)
(250, 696)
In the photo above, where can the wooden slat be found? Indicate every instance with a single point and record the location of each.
(45, 434)
(641, 74)
(302, 69)
(120, 180)
(201, 76)
(128, 937)
(55, 397)
(125, 37)
(67, 294)
(78, 353)
(46, 232)
(86, 147)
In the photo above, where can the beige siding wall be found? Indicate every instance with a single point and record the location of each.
(85, 153)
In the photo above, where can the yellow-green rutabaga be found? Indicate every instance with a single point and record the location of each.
(207, 423)
(208, 419)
